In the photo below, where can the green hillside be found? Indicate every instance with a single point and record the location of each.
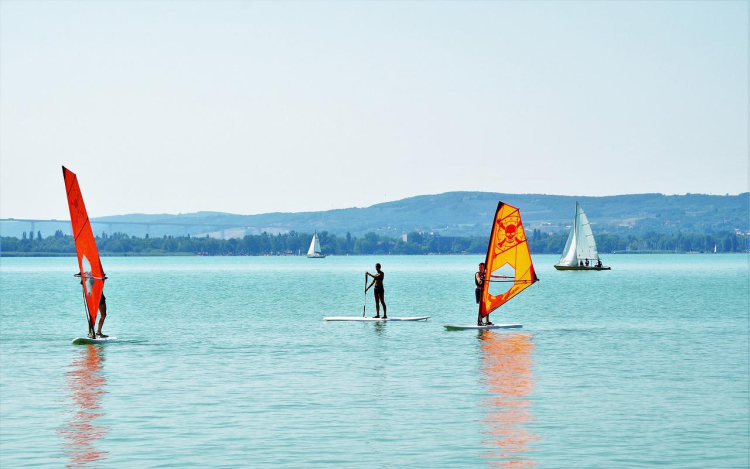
(455, 214)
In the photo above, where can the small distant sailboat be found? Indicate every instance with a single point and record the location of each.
(314, 251)
(90, 267)
(580, 250)
(715, 248)
(509, 269)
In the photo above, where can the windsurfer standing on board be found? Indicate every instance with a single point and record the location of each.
(479, 282)
(103, 312)
(379, 292)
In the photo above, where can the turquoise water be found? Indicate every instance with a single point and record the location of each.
(226, 362)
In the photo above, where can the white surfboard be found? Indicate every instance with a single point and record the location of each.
(361, 319)
(494, 326)
(87, 340)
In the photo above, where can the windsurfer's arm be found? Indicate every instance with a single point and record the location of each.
(371, 284)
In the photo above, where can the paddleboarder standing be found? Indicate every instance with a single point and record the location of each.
(479, 282)
(379, 292)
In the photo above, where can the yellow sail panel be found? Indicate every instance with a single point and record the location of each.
(509, 269)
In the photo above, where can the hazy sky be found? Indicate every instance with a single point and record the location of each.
(251, 107)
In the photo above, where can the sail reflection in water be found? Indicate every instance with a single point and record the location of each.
(85, 383)
(507, 371)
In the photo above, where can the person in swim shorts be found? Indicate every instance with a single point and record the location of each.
(479, 283)
(379, 292)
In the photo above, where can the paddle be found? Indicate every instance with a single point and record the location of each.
(364, 306)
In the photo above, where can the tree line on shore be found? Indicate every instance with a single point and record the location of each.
(294, 243)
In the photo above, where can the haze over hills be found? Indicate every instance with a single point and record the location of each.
(450, 214)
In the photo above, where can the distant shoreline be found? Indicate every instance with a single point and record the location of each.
(187, 254)
(102, 254)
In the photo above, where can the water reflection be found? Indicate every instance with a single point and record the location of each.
(507, 371)
(86, 386)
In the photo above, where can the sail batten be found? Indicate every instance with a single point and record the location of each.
(508, 257)
(90, 267)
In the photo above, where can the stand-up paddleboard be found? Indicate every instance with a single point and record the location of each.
(86, 340)
(91, 272)
(494, 326)
(361, 319)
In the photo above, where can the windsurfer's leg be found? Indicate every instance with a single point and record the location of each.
(102, 317)
(478, 296)
(382, 300)
(377, 305)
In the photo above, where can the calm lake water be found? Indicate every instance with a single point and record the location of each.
(226, 362)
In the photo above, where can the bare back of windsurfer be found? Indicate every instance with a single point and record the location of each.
(379, 291)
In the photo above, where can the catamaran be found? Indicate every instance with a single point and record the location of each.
(580, 250)
(314, 251)
(91, 272)
(508, 265)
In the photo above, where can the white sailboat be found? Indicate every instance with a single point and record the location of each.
(314, 251)
(580, 251)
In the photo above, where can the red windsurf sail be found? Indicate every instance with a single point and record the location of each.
(89, 264)
(508, 265)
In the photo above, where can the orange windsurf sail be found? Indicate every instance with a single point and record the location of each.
(509, 269)
(89, 264)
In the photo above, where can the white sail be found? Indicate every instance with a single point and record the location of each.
(569, 257)
(314, 245)
(586, 248)
(580, 245)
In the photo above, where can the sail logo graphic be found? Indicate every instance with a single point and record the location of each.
(509, 233)
(87, 276)
(81, 214)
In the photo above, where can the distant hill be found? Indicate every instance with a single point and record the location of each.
(454, 214)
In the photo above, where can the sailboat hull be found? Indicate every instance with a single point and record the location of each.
(316, 256)
(566, 267)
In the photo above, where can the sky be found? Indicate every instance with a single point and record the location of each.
(255, 107)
